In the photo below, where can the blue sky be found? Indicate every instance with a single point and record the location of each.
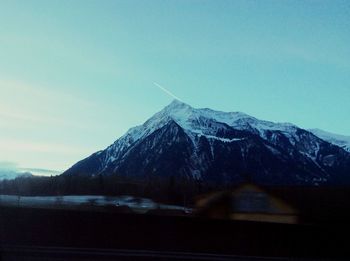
(75, 75)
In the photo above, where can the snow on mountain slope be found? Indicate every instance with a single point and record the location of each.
(218, 147)
(336, 139)
(196, 123)
(208, 123)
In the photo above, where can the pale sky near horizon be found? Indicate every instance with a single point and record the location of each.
(75, 75)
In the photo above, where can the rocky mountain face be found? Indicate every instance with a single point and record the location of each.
(219, 148)
(339, 140)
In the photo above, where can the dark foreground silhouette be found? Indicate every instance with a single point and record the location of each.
(44, 234)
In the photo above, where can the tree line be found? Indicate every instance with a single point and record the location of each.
(162, 189)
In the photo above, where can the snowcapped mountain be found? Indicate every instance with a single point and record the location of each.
(336, 139)
(11, 174)
(219, 148)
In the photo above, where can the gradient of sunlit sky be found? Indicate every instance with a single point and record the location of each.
(75, 75)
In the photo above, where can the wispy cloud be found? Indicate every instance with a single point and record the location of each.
(40, 93)
(7, 145)
(8, 165)
(41, 154)
(38, 124)
(23, 104)
(10, 169)
(11, 115)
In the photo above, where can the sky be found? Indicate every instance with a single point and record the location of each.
(76, 75)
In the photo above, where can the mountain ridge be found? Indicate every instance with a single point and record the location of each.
(342, 141)
(219, 147)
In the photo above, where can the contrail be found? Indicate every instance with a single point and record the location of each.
(167, 91)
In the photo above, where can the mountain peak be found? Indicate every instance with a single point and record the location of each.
(218, 146)
(177, 110)
(177, 104)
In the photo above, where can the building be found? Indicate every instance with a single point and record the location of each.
(247, 202)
